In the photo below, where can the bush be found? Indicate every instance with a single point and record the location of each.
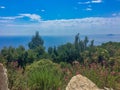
(101, 76)
(44, 75)
(17, 80)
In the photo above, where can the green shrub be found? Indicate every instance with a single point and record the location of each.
(44, 75)
(101, 76)
(16, 79)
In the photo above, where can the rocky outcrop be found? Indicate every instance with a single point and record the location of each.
(80, 82)
(3, 78)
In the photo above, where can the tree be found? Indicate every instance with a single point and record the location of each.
(50, 50)
(77, 47)
(92, 43)
(76, 42)
(32, 56)
(21, 56)
(8, 54)
(36, 45)
(67, 53)
(86, 42)
(36, 41)
(81, 45)
(40, 50)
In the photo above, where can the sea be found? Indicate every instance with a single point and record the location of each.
(51, 41)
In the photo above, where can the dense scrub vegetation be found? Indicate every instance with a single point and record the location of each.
(38, 69)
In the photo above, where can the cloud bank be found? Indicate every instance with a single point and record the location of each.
(90, 25)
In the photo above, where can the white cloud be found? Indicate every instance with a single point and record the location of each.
(32, 16)
(42, 10)
(11, 17)
(116, 14)
(88, 2)
(90, 25)
(2, 7)
(96, 1)
(88, 9)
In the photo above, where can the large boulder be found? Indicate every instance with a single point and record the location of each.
(80, 82)
(3, 78)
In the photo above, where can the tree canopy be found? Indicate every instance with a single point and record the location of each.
(36, 41)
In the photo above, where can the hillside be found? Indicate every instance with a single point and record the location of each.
(38, 69)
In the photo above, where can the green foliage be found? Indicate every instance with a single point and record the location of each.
(44, 75)
(36, 45)
(21, 56)
(32, 56)
(50, 50)
(16, 78)
(112, 47)
(76, 42)
(102, 77)
(92, 43)
(36, 41)
(67, 53)
(7, 53)
(11, 76)
(86, 42)
(101, 64)
(40, 50)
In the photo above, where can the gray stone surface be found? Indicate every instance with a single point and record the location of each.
(3, 78)
(80, 82)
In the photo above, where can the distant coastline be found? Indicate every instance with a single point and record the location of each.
(110, 34)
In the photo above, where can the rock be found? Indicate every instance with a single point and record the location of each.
(105, 88)
(80, 82)
(3, 78)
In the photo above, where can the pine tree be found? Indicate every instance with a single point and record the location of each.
(36, 41)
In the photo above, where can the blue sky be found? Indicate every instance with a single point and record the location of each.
(63, 17)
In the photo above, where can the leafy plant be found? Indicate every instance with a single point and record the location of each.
(44, 75)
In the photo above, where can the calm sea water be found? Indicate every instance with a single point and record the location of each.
(15, 41)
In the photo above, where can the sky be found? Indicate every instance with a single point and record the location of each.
(59, 17)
